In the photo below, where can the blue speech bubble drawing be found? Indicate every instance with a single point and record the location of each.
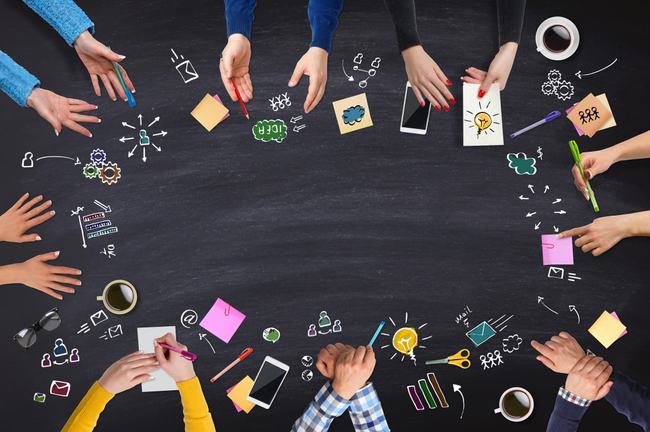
(353, 115)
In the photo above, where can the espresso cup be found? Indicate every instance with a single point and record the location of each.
(516, 404)
(119, 297)
(557, 38)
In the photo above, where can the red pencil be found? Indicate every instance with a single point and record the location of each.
(241, 102)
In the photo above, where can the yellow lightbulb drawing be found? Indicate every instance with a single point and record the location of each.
(405, 340)
(482, 121)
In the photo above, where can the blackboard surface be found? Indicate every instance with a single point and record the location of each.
(365, 226)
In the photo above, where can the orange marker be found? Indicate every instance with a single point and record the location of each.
(241, 102)
(241, 357)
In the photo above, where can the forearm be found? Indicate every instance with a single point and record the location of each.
(239, 16)
(566, 415)
(510, 19)
(638, 224)
(630, 399)
(85, 416)
(637, 147)
(326, 406)
(196, 413)
(15, 80)
(366, 412)
(403, 15)
(64, 16)
(323, 19)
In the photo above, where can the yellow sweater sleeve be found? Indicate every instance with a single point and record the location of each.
(85, 416)
(196, 414)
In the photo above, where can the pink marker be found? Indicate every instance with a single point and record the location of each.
(185, 354)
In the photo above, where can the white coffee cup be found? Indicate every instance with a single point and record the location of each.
(561, 30)
(119, 297)
(516, 404)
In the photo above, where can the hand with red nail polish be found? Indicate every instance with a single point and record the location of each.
(426, 78)
(498, 72)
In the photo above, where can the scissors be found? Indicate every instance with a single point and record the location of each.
(460, 359)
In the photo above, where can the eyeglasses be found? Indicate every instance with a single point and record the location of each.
(27, 336)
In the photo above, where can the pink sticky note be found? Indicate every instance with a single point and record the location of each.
(568, 111)
(615, 315)
(216, 96)
(557, 251)
(237, 407)
(222, 320)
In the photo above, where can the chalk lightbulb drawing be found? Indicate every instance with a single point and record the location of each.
(405, 339)
(482, 120)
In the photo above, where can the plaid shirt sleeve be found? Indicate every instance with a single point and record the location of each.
(320, 413)
(366, 412)
(573, 398)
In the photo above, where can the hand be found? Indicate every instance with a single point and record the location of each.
(328, 356)
(36, 273)
(560, 354)
(234, 64)
(588, 378)
(128, 372)
(352, 371)
(426, 78)
(22, 217)
(171, 362)
(498, 72)
(593, 163)
(313, 64)
(61, 111)
(98, 59)
(602, 234)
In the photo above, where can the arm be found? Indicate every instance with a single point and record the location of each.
(196, 414)
(64, 16)
(323, 20)
(366, 412)
(239, 17)
(567, 413)
(637, 147)
(326, 406)
(510, 19)
(85, 416)
(15, 81)
(630, 399)
(403, 15)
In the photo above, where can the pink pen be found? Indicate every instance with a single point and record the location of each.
(185, 354)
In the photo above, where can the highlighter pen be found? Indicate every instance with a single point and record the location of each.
(185, 354)
(374, 337)
(549, 117)
(234, 363)
(575, 151)
(129, 96)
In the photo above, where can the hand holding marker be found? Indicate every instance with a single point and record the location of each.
(575, 151)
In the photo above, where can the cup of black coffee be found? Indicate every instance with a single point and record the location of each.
(119, 297)
(557, 38)
(516, 404)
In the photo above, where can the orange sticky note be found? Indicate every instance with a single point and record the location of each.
(607, 329)
(240, 392)
(590, 114)
(209, 112)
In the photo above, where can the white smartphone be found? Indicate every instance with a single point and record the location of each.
(415, 118)
(268, 381)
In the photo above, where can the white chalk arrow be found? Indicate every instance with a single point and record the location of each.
(125, 124)
(298, 128)
(296, 119)
(106, 208)
(456, 388)
(560, 212)
(572, 308)
(156, 147)
(81, 228)
(537, 225)
(140, 119)
(125, 139)
(540, 300)
(161, 133)
(132, 152)
(546, 188)
(144, 154)
(74, 159)
(531, 188)
(350, 78)
(529, 214)
(203, 336)
(521, 197)
(557, 200)
(154, 121)
(556, 229)
(579, 74)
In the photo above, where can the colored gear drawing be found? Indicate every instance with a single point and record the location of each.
(98, 157)
(110, 173)
(548, 88)
(554, 75)
(90, 171)
(564, 90)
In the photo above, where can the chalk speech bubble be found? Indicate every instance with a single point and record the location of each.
(270, 130)
(271, 334)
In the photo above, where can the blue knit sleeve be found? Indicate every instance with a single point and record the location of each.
(323, 19)
(15, 81)
(239, 16)
(64, 16)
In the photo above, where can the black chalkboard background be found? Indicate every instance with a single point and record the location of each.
(366, 225)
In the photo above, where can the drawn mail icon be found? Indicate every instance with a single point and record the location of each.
(60, 388)
(115, 331)
(98, 317)
(481, 333)
(187, 71)
(556, 272)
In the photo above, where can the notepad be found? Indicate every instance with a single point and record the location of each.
(222, 320)
(162, 381)
(239, 394)
(209, 112)
(557, 251)
(482, 122)
(607, 329)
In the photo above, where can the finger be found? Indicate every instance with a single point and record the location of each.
(228, 60)
(418, 95)
(369, 356)
(62, 288)
(48, 256)
(72, 125)
(36, 210)
(604, 390)
(239, 82)
(553, 345)
(82, 108)
(430, 98)
(566, 335)
(142, 370)
(558, 339)
(599, 369)
(169, 339)
(27, 207)
(438, 99)
(65, 280)
(49, 292)
(485, 85)
(359, 354)
(127, 80)
(574, 232)
(470, 80)
(599, 251)
(226, 83)
(143, 361)
(85, 118)
(298, 72)
(159, 353)
(314, 84)
(65, 270)
(581, 363)
(317, 99)
(580, 241)
(109, 88)
(330, 349)
(441, 74)
(117, 85)
(247, 85)
(141, 379)
(476, 73)
(542, 349)
(29, 237)
(577, 177)
(110, 54)
(589, 246)
(20, 201)
(95, 81)
(133, 355)
(51, 119)
(591, 364)
(547, 362)
(40, 219)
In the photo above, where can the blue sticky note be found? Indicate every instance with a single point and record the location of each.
(481, 333)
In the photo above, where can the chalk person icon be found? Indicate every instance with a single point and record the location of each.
(144, 139)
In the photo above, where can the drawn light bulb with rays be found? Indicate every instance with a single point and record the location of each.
(405, 340)
(482, 120)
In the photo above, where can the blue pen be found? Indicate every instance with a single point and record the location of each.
(374, 337)
(551, 116)
(129, 96)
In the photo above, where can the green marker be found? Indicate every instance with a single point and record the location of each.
(129, 96)
(575, 151)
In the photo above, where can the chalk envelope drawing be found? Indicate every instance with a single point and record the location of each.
(270, 130)
(522, 164)
(481, 333)
(482, 117)
(352, 113)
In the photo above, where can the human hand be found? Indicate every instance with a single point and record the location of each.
(234, 64)
(313, 64)
(603, 233)
(98, 59)
(352, 371)
(589, 378)
(36, 273)
(128, 372)
(593, 163)
(327, 357)
(177, 367)
(61, 111)
(22, 217)
(560, 354)
(498, 72)
(426, 78)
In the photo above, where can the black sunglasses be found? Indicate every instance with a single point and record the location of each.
(27, 336)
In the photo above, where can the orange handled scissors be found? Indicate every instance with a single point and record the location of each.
(460, 359)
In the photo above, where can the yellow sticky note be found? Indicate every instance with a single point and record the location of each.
(240, 392)
(352, 113)
(209, 112)
(607, 329)
(612, 121)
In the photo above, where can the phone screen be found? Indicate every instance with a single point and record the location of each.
(414, 116)
(267, 382)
